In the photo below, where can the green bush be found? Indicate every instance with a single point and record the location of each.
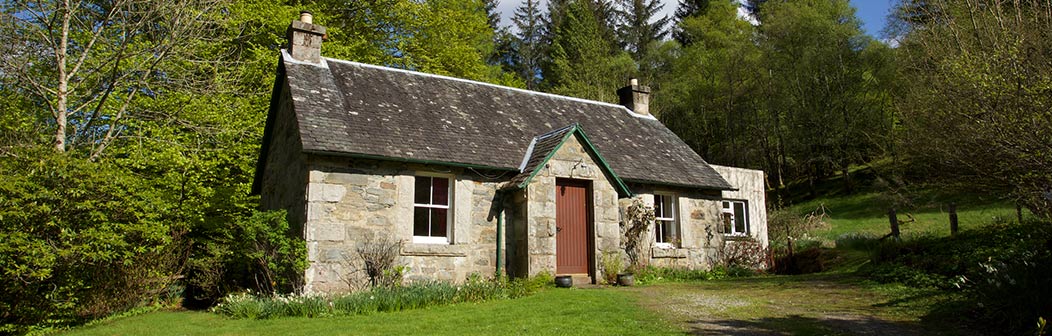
(77, 243)
(1004, 270)
(378, 299)
(257, 252)
(812, 259)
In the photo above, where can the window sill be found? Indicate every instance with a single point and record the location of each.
(664, 245)
(677, 253)
(430, 240)
(433, 250)
(737, 236)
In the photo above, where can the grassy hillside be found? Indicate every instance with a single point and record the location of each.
(921, 209)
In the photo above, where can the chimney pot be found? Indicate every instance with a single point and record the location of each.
(635, 97)
(305, 39)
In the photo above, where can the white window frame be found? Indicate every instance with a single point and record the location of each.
(448, 239)
(727, 207)
(674, 220)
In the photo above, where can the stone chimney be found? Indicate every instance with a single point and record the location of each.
(635, 97)
(305, 39)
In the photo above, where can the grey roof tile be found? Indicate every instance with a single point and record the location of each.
(354, 108)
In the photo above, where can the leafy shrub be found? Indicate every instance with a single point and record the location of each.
(257, 252)
(743, 253)
(611, 262)
(377, 299)
(76, 243)
(806, 261)
(636, 221)
(1004, 269)
(784, 225)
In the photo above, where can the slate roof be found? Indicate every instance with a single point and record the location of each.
(544, 146)
(348, 108)
(538, 150)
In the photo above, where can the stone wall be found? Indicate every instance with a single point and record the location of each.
(697, 217)
(571, 160)
(284, 180)
(751, 189)
(345, 203)
(352, 202)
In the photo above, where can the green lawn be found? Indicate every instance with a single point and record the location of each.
(549, 312)
(819, 304)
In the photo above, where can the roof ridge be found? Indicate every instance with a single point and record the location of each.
(503, 87)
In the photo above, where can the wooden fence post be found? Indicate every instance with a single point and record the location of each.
(894, 223)
(1019, 212)
(953, 219)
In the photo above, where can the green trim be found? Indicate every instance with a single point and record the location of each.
(421, 161)
(618, 183)
(536, 170)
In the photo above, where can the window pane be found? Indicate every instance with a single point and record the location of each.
(420, 221)
(422, 191)
(727, 219)
(665, 233)
(659, 206)
(440, 191)
(726, 205)
(666, 207)
(739, 217)
(438, 222)
(659, 232)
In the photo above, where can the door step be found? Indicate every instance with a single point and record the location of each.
(580, 279)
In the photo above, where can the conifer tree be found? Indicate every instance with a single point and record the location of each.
(687, 9)
(636, 30)
(529, 42)
(583, 62)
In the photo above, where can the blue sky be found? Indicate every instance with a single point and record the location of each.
(873, 13)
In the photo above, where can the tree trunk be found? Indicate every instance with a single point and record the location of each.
(61, 94)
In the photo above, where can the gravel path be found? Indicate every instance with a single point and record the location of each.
(811, 305)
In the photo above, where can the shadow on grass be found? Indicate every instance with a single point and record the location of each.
(801, 325)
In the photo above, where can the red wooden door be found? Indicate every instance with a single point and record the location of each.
(571, 219)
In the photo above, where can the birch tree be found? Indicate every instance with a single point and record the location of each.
(87, 63)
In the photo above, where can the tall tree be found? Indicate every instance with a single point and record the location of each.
(687, 9)
(583, 62)
(89, 64)
(529, 42)
(448, 37)
(976, 107)
(165, 104)
(638, 30)
(504, 42)
(815, 52)
(710, 96)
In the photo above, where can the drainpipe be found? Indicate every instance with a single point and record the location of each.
(500, 233)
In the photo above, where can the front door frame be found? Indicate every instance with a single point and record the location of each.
(589, 221)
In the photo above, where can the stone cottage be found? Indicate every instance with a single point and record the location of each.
(472, 177)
